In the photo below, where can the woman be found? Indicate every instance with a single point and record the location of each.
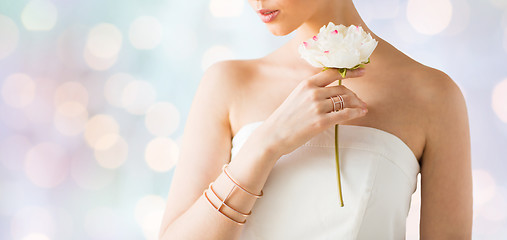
(280, 180)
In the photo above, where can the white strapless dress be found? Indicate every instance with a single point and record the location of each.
(301, 201)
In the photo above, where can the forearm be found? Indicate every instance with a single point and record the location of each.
(250, 168)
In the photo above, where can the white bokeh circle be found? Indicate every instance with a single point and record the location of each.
(98, 63)
(148, 213)
(138, 96)
(214, 54)
(114, 86)
(114, 155)
(429, 16)
(162, 119)
(39, 15)
(18, 90)
(70, 118)
(226, 8)
(484, 187)
(36, 236)
(10, 36)
(499, 100)
(98, 127)
(145, 32)
(32, 219)
(104, 41)
(161, 154)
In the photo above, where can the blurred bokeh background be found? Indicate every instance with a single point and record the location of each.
(95, 94)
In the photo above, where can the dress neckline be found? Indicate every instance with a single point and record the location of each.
(242, 130)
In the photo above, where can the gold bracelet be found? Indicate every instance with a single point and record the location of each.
(223, 201)
(238, 185)
(239, 223)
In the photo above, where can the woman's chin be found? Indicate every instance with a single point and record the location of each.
(277, 31)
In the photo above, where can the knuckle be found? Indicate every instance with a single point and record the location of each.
(350, 96)
(333, 72)
(347, 113)
(327, 72)
(330, 73)
(307, 84)
(314, 95)
(360, 103)
(316, 108)
(343, 89)
(321, 108)
(348, 100)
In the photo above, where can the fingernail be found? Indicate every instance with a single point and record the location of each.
(365, 110)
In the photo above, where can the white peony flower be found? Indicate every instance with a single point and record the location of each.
(337, 46)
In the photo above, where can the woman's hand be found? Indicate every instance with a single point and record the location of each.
(308, 110)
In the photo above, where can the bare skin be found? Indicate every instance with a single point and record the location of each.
(392, 106)
(420, 105)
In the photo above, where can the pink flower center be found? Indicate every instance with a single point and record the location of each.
(305, 44)
(326, 51)
(315, 38)
(335, 32)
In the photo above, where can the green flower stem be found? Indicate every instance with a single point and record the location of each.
(343, 72)
(337, 154)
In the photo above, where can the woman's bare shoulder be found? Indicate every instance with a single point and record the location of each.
(433, 84)
(226, 83)
(439, 99)
(231, 70)
(420, 75)
(230, 75)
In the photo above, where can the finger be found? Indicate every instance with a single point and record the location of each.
(328, 91)
(332, 91)
(334, 118)
(349, 101)
(330, 75)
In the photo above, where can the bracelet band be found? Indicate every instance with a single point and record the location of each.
(224, 169)
(206, 195)
(223, 201)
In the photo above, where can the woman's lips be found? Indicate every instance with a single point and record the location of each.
(268, 15)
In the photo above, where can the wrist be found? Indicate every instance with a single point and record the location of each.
(268, 145)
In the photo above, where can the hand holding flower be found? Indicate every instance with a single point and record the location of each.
(344, 48)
